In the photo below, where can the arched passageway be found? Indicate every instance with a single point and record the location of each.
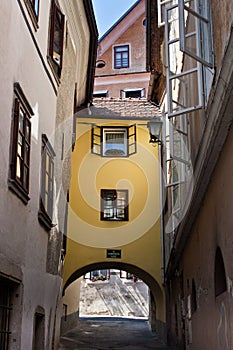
(156, 296)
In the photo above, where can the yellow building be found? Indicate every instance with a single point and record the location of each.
(114, 216)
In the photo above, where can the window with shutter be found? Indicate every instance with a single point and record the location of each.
(21, 145)
(114, 205)
(45, 214)
(57, 21)
(114, 141)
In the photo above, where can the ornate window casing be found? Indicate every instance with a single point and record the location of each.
(56, 38)
(114, 205)
(21, 145)
(121, 56)
(114, 141)
(45, 214)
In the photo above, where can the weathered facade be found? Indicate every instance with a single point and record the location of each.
(40, 67)
(197, 144)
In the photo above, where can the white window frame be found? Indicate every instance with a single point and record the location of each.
(98, 140)
(201, 20)
(174, 107)
(162, 5)
(113, 55)
(113, 131)
(123, 92)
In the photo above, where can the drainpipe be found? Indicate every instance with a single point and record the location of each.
(160, 153)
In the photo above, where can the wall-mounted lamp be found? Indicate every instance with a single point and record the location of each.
(155, 128)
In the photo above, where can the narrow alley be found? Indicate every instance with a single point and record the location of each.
(104, 333)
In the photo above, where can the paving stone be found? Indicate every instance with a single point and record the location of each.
(111, 333)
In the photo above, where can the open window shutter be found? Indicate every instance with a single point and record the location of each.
(195, 30)
(162, 5)
(179, 142)
(132, 141)
(184, 74)
(96, 140)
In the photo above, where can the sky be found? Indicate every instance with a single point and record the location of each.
(107, 12)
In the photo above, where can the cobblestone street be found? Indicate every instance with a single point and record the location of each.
(103, 333)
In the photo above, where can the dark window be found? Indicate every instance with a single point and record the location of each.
(5, 309)
(33, 10)
(39, 331)
(121, 56)
(133, 93)
(114, 141)
(193, 297)
(219, 274)
(35, 7)
(47, 183)
(21, 145)
(114, 205)
(100, 94)
(56, 38)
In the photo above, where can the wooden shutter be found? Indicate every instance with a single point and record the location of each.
(96, 140)
(132, 144)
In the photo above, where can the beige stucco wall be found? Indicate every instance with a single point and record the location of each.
(23, 241)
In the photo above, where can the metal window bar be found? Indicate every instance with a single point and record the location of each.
(5, 309)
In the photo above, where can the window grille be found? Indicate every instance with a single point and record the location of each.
(5, 310)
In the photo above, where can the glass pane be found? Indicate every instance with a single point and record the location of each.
(19, 168)
(36, 7)
(185, 92)
(21, 120)
(46, 202)
(27, 154)
(28, 130)
(162, 5)
(108, 213)
(115, 144)
(46, 182)
(20, 143)
(196, 36)
(46, 161)
(57, 40)
(26, 177)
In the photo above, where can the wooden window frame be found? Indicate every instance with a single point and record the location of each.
(56, 64)
(115, 206)
(45, 214)
(19, 175)
(122, 60)
(33, 7)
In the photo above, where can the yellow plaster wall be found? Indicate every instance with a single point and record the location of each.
(139, 238)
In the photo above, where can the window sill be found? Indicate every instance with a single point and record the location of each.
(15, 187)
(45, 220)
